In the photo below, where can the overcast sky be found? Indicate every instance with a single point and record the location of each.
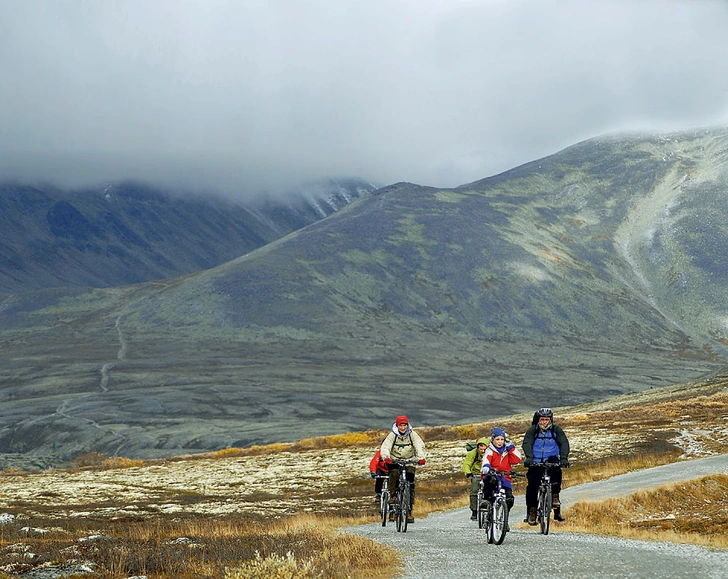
(245, 94)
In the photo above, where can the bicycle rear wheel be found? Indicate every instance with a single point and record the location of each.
(384, 507)
(482, 518)
(480, 512)
(500, 520)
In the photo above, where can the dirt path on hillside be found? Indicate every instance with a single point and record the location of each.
(449, 545)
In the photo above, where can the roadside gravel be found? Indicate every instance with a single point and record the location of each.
(448, 545)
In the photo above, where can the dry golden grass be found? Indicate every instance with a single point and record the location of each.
(99, 461)
(205, 547)
(333, 441)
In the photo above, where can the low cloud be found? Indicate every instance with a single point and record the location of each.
(244, 95)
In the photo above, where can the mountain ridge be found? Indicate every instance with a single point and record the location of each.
(450, 305)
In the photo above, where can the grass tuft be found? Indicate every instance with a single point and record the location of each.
(272, 567)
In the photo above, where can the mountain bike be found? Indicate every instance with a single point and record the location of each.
(384, 499)
(402, 494)
(493, 515)
(545, 499)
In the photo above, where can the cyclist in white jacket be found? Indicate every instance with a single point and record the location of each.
(403, 443)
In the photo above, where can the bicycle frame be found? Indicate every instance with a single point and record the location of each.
(402, 494)
(494, 516)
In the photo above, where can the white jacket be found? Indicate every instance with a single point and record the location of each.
(403, 446)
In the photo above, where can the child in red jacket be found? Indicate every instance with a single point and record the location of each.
(501, 455)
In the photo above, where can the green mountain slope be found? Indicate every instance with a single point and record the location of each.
(596, 271)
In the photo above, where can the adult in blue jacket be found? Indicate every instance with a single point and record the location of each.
(543, 442)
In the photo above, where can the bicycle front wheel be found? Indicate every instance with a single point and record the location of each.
(398, 511)
(545, 502)
(405, 508)
(384, 507)
(500, 520)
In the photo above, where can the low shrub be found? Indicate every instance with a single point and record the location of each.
(273, 566)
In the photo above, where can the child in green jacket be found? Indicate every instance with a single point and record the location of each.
(471, 469)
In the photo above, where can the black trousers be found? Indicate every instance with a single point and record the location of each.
(489, 487)
(379, 483)
(534, 480)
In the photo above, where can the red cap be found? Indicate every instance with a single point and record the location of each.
(401, 420)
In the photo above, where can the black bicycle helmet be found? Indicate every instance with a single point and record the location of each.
(545, 412)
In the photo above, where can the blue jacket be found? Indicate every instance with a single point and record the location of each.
(546, 446)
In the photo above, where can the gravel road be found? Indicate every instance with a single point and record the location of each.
(630, 482)
(448, 545)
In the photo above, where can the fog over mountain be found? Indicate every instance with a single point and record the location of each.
(247, 96)
(124, 233)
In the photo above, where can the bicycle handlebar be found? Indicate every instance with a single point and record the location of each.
(397, 463)
(550, 464)
(504, 472)
(404, 462)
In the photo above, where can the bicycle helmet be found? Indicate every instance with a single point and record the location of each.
(545, 412)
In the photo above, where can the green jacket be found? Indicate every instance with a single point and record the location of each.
(474, 460)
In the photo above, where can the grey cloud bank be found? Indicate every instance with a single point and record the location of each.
(244, 95)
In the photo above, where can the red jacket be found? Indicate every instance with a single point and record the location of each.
(502, 460)
(378, 463)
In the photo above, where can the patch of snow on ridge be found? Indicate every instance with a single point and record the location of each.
(314, 202)
(530, 272)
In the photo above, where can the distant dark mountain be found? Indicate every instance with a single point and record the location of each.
(129, 233)
(596, 271)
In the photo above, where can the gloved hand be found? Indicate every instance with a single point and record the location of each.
(528, 462)
(388, 460)
(485, 469)
(470, 475)
(510, 446)
(373, 474)
(563, 463)
(421, 461)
